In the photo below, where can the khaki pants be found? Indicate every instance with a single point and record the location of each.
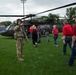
(19, 46)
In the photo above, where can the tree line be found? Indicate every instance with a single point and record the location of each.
(56, 18)
(6, 23)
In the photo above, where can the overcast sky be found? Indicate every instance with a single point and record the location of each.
(15, 7)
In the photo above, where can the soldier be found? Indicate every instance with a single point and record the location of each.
(19, 36)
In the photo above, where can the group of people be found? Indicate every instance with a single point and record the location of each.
(69, 37)
(35, 34)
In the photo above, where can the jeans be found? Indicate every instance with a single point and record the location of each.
(31, 34)
(55, 39)
(73, 55)
(47, 36)
(34, 39)
(68, 40)
(39, 37)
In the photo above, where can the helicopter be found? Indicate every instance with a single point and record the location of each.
(9, 31)
(27, 23)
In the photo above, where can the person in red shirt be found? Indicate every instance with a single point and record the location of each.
(73, 46)
(30, 30)
(67, 35)
(34, 35)
(55, 32)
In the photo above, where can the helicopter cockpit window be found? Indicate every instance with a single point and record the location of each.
(11, 27)
(7, 27)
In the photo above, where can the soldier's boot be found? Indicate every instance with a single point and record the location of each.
(20, 58)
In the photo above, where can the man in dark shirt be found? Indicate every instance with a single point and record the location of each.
(46, 30)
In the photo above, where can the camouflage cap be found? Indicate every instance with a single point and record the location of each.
(16, 21)
(19, 20)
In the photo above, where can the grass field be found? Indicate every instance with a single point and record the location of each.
(46, 59)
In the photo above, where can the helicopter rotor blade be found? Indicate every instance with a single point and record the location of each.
(57, 8)
(12, 15)
(33, 15)
(30, 15)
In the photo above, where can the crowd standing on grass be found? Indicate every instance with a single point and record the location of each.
(69, 37)
(55, 33)
(19, 36)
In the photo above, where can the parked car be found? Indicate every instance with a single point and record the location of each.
(2, 28)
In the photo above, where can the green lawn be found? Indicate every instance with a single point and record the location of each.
(46, 59)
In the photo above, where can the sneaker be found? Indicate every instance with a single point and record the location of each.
(56, 45)
(35, 44)
(20, 59)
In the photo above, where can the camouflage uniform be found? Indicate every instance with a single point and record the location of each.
(19, 36)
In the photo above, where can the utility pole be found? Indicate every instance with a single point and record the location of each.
(23, 1)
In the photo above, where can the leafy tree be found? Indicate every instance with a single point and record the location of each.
(42, 18)
(69, 13)
(54, 18)
(6, 23)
